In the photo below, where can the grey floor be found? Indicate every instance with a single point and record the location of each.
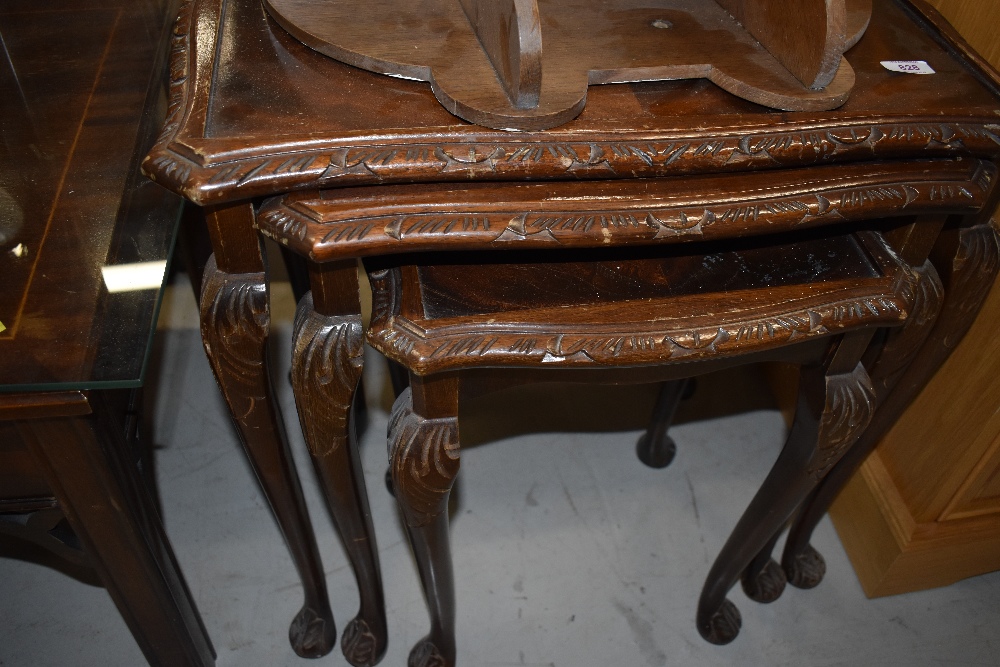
(567, 551)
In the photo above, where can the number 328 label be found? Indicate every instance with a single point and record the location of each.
(908, 66)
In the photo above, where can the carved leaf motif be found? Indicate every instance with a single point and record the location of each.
(853, 135)
(468, 346)
(366, 164)
(348, 232)
(235, 310)
(326, 369)
(178, 73)
(476, 159)
(286, 224)
(862, 196)
(399, 339)
(340, 165)
(904, 342)
(850, 404)
(385, 285)
(423, 458)
(974, 265)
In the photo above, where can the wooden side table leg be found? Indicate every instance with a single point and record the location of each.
(234, 326)
(834, 407)
(326, 369)
(656, 448)
(974, 264)
(802, 565)
(424, 460)
(89, 469)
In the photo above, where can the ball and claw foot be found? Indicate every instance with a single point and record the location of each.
(312, 635)
(360, 645)
(426, 654)
(723, 626)
(767, 585)
(659, 456)
(806, 569)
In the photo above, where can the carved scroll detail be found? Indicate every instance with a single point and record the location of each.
(235, 310)
(423, 458)
(326, 367)
(850, 404)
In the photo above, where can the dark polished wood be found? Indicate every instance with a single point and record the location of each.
(495, 301)
(262, 135)
(234, 326)
(114, 521)
(525, 65)
(82, 90)
(968, 260)
(458, 223)
(326, 372)
(656, 448)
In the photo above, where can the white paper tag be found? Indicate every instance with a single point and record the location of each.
(908, 66)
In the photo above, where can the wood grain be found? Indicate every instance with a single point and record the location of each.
(510, 33)
(806, 36)
(259, 135)
(489, 69)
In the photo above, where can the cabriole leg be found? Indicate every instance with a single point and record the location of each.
(833, 408)
(910, 358)
(424, 460)
(234, 325)
(326, 372)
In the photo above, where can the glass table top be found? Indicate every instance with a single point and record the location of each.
(84, 238)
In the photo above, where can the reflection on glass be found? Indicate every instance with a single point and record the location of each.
(132, 277)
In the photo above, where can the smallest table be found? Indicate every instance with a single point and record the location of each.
(84, 244)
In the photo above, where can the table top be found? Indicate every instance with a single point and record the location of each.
(255, 113)
(82, 99)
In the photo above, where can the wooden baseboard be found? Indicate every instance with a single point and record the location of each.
(892, 554)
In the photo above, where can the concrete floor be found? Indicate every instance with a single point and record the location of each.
(567, 550)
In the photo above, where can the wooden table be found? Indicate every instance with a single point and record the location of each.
(82, 89)
(254, 113)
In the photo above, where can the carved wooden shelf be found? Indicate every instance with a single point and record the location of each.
(526, 64)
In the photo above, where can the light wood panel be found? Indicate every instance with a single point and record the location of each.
(977, 20)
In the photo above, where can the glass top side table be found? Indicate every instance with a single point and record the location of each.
(84, 245)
